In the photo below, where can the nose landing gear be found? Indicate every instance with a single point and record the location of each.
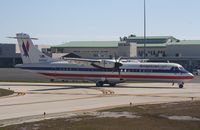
(181, 84)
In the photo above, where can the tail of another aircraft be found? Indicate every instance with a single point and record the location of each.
(29, 53)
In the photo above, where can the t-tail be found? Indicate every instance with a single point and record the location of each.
(29, 53)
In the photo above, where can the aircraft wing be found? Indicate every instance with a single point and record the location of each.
(83, 61)
(98, 63)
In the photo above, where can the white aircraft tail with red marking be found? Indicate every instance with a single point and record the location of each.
(29, 53)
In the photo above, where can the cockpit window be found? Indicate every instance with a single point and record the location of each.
(181, 68)
(176, 68)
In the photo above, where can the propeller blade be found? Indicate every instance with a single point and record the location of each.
(119, 71)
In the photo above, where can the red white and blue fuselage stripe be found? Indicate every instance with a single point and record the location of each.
(157, 72)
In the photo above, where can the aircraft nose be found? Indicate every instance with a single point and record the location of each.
(191, 75)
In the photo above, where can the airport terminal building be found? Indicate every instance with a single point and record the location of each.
(8, 55)
(130, 47)
(157, 49)
(95, 49)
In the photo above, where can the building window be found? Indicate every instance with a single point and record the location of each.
(154, 53)
(95, 55)
(59, 50)
(76, 51)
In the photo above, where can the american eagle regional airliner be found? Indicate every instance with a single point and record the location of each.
(100, 71)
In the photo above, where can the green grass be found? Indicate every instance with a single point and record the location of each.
(5, 92)
(150, 119)
(190, 108)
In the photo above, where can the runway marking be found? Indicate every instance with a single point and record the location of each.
(60, 93)
(102, 90)
(99, 96)
(106, 91)
(47, 101)
(110, 92)
(159, 95)
(20, 93)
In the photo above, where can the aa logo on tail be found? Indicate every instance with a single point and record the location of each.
(25, 48)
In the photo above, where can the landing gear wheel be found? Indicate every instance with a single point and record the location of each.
(99, 84)
(112, 84)
(51, 80)
(180, 85)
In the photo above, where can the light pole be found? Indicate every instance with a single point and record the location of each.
(144, 29)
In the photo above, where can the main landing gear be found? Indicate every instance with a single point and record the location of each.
(112, 84)
(101, 83)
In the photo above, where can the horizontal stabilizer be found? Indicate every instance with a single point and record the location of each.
(24, 38)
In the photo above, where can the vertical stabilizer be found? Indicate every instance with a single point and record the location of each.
(29, 53)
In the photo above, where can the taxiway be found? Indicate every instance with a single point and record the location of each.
(31, 100)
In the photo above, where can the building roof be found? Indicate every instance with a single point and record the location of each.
(152, 45)
(91, 44)
(101, 44)
(186, 42)
(151, 37)
(152, 41)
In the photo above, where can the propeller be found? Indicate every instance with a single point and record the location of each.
(117, 65)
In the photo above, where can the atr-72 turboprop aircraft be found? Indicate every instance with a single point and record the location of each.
(100, 71)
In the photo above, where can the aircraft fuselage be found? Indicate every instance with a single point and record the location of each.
(155, 72)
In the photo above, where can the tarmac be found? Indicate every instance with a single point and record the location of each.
(38, 101)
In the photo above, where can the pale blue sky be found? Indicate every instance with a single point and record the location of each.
(58, 21)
